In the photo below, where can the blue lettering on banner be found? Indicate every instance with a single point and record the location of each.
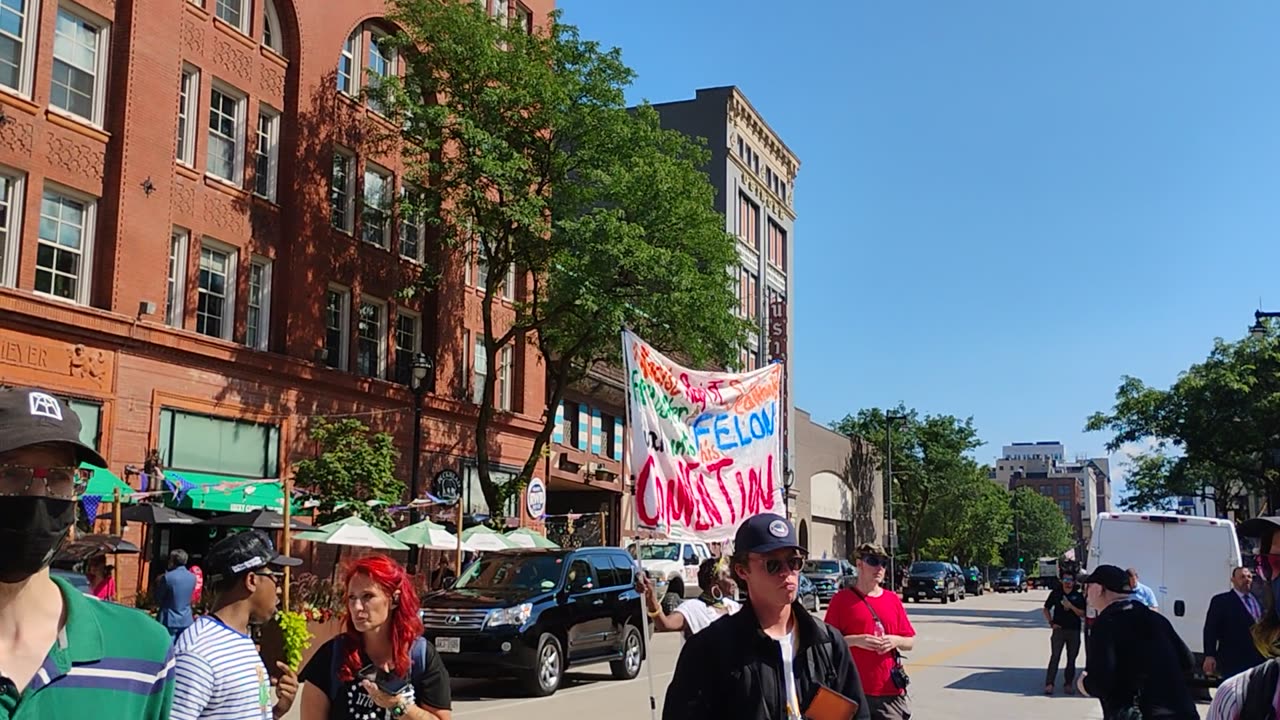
(731, 430)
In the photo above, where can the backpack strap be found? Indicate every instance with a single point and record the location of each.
(418, 658)
(1259, 691)
(335, 665)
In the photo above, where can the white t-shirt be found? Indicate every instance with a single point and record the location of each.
(787, 644)
(698, 615)
(219, 675)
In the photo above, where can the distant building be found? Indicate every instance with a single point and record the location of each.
(1081, 487)
(838, 491)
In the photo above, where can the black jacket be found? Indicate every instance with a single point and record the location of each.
(733, 671)
(1227, 636)
(1134, 654)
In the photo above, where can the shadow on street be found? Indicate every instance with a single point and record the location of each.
(1030, 617)
(1010, 681)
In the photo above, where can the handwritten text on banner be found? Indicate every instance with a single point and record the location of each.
(705, 447)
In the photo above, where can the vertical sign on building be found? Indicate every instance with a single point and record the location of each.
(778, 353)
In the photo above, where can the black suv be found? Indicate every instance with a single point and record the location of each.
(934, 580)
(533, 613)
(829, 576)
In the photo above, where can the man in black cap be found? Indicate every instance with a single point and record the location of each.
(769, 659)
(61, 652)
(1135, 658)
(219, 671)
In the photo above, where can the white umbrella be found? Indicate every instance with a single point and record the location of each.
(427, 535)
(481, 538)
(354, 532)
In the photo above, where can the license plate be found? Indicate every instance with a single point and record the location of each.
(921, 593)
(448, 644)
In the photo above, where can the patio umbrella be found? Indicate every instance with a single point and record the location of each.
(524, 537)
(88, 546)
(481, 537)
(354, 532)
(260, 519)
(428, 535)
(151, 514)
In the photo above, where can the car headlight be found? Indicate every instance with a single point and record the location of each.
(938, 583)
(517, 615)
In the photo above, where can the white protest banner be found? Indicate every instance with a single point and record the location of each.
(705, 447)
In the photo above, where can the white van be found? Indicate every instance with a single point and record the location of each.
(1184, 560)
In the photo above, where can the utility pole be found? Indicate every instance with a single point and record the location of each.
(892, 530)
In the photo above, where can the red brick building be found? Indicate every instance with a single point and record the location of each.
(191, 245)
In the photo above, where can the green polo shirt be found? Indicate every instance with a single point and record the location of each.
(109, 662)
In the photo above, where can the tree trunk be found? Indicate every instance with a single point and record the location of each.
(484, 419)
(559, 382)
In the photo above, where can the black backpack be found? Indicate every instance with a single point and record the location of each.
(1260, 690)
(417, 663)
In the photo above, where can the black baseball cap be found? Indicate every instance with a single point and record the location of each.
(765, 533)
(1110, 577)
(242, 552)
(30, 416)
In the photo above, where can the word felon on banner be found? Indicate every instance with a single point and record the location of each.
(705, 446)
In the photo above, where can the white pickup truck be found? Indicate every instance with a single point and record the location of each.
(673, 565)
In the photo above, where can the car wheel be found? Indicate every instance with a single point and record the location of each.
(632, 654)
(548, 669)
(944, 599)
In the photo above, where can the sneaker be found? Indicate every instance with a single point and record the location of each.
(1048, 689)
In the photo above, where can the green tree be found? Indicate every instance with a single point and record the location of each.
(352, 472)
(929, 459)
(524, 156)
(1217, 426)
(972, 521)
(1040, 528)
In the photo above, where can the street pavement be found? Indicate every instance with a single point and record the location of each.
(981, 658)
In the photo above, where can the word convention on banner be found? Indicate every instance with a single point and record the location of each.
(705, 447)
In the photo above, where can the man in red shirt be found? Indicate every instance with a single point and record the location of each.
(874, 623)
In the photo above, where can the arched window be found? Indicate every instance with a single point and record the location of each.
(271, 35)
(365, 61)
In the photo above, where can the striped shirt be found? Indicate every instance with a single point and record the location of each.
(1228, 701)
(219, 675)
(108, 663)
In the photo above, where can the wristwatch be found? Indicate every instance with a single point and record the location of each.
(401, 709)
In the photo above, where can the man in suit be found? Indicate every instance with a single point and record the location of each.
(173, 595)
(1228, 642)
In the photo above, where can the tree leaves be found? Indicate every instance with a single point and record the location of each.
(352, 472)
(1040, 527)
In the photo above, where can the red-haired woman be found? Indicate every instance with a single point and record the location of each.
(380, 668)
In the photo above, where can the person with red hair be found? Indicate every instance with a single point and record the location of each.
(380, 667)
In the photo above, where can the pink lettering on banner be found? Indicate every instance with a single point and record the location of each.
(705, 446)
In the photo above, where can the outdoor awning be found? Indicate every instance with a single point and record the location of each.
(224, 493)
(103, 483)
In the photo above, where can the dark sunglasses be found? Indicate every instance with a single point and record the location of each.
(875, 560)
(275, 576)
(773, 566)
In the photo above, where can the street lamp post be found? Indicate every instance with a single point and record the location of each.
(889, 420)
(1258, 329)
(419, 371)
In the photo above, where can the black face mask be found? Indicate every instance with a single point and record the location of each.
(31, 529)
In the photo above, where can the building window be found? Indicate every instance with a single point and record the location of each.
(258, 321)
(524, 19)
(1065, 505)
(226, 123)
(202, 443)
(215, 306)
(79, 64)
(10, 224)
(1064, 489)
(90, 414)
(777, 246)
(410, 234)
(408, 339)
(266, 153)
(748, 294)
(375, 227)
(271, 35)
(337, 323)
(371, 333)
(748, 221)
(609, 439)
(232, 12)
(188, 93)
(482, 265)
(176, 290)
(571, 432)
(503, 384)
(65, 245)
(17, 25)
(341, 198)
(479, 369)
(380, 66)
(347, 80)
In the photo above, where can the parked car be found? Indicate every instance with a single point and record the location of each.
(532, 614)
(933, 580)
(958, 572)
(807, 594)
(1011, 580)
(973, 581)
(829, 576)
(673, 565)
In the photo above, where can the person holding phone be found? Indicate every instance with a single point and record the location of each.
(219, 672)
(772, 659)
(380, 667)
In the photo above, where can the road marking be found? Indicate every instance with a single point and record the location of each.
(943, 655)
(602, 684)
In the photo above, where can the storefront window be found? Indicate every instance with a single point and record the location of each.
(90, 422)
(474, 498)
(201, 443)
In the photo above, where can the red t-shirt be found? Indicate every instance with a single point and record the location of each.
(849, 614)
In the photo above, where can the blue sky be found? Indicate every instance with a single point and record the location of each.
(1003, 207)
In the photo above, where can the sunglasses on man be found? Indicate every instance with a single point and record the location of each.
(875, 560)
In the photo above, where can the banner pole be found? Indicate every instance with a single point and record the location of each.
(629, 485)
